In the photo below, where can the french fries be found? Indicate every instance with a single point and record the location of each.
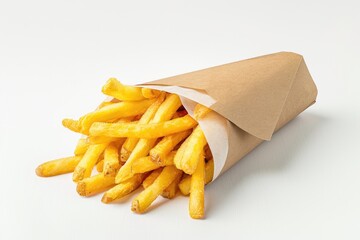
(196, 203)
(166, 145)
(58, 166)
(119, 91)
(166, 111)
(142, 138)
(100, 166)
(95, 184)
(145, 164)
(81, 147)
(146, 197)
(151, 130)
(201, 111)
(123, 188)
(88, 161)
(113, 111)
(185, 183)
(111, 159)
(151, 178)
(171, 190)
(150, 93)
(130, 143)
(187, 157)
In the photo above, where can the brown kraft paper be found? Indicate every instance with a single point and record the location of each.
(258, 96)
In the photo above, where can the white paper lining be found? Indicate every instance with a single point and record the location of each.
(214, 126)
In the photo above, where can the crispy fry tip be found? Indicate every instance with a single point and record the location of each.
(135, 207)
(80, 188)
(39, 171)
(78, 174)
(106, 199)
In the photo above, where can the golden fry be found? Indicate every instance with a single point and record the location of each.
(150, 93)
(71, 124)
(111, 160)
(123, 188)
(187, 160)
(58, 166)
(130, 143)
(200, 111)
(196, 201)
(122, 92)
(102, 139)
(85, 166)
(180, 153)
(114, 111)
(146, 197)
(94, 184)
(151, 130)
(185, 183)
(171, 190)
(81, 146)
(166, 145)
(145, 164)
(151, 178)
(100, 166)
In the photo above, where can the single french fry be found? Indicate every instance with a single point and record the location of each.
(146, 197)
(116, 89)
(145, 164)
(201, 111)
(81, 146)
(166, 145)
(123, 188)
(185, 183)
(85, 166)
(151, 178)
(164, 113)
(111, 160)
(194, 146)
(71, 124)
(150, 130)
(114, 111)
(102, 139)
(58, 166)
(130, 143)
(171, 190)
(196, 201)
(94, 184)
(150, 93)
(180, 153)
(100, 166)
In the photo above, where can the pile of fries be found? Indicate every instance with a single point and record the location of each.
(142, 137)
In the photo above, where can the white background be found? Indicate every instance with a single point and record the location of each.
(55, 56)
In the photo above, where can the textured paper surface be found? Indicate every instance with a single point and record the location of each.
(258, 96)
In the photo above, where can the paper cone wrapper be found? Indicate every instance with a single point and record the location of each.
(251, 100)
